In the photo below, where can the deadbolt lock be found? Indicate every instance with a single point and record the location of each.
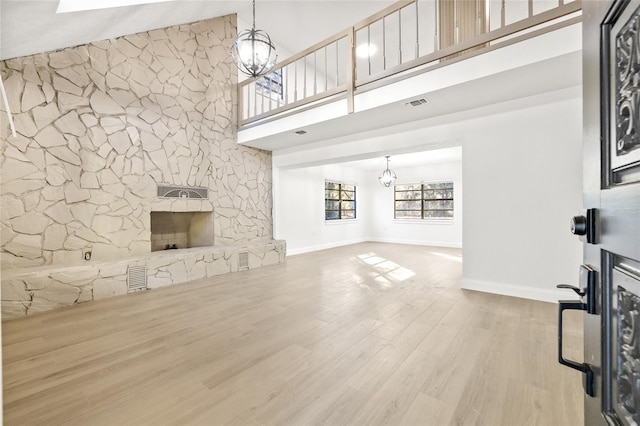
(585, 225)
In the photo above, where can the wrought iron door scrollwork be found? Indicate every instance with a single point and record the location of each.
(628, 86)
(629, 353)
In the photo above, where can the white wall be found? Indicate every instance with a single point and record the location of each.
(299, 209)
(383, 227)
(522, 168)
(523, 182)
(302, 225)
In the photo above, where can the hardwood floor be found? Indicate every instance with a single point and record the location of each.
(368, 334)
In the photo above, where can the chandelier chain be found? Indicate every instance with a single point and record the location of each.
(254, 15)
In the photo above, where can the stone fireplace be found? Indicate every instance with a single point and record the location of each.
(179, 230)
(101, 128)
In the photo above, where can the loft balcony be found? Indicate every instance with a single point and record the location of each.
(412, 61)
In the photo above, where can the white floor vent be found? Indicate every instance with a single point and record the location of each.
(243, 260)
(136, 278)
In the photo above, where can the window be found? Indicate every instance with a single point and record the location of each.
(339, 201)
(271, 84)
(432, 200)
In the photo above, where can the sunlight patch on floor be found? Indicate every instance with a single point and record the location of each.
(456, 258)
(385, 272)
(371, 258)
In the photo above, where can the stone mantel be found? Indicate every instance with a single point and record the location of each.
(26, 291)
(181, 205)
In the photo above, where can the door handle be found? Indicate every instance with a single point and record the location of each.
(570, 287)
(587, 288)
(582, 367)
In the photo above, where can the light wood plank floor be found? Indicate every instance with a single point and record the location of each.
(368, 334)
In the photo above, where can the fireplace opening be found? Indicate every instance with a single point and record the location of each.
(179, 230)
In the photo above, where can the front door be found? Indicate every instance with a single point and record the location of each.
(610, 225)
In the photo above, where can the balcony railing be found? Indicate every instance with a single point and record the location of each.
(408, 37)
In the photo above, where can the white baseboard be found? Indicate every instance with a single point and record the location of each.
(540, 294)
(308, 249)
(447, 244)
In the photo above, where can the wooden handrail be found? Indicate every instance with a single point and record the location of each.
(390, 10)
(342, 34)
(508, 30)
(305, 52)
(417, 70)
(351, 84)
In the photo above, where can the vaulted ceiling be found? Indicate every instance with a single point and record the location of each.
(28, 27)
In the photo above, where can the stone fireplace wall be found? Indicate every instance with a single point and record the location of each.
(100, 125)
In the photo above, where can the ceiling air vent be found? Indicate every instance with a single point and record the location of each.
(183, 192)
(417, 102)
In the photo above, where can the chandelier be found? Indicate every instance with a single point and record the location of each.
(387, 177)
(253, 50)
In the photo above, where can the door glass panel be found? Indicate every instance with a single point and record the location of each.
(625, 339)
(628, 377)
(623, 106)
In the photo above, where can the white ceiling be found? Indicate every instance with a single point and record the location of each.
(82, 5)
(28, 27)
(414, 159)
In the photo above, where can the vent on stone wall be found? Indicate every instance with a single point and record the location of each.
(183, 192)
(136, 278)
(243, 260)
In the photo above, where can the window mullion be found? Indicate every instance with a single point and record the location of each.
(422, 197)
(339, 201)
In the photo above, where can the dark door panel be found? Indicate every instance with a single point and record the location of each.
(611, 152)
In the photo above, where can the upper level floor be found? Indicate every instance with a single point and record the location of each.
(413, 61)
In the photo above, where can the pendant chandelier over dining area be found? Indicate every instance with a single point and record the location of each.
(387, 177)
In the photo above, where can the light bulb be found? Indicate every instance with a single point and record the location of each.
(366, 50)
